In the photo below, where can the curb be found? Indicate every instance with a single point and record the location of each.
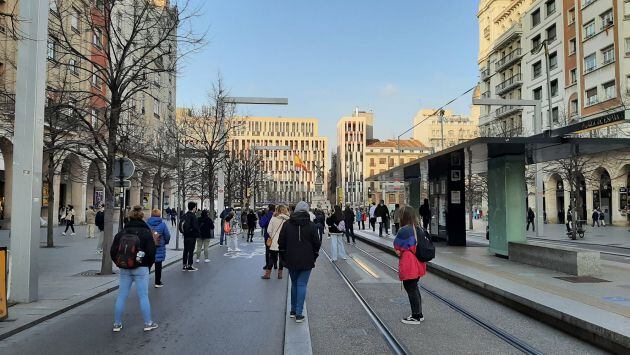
(580, 328)
(297, 337)
(77, 304)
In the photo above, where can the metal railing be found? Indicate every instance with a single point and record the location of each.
(509, 83)
(507, 110)
(509, 58)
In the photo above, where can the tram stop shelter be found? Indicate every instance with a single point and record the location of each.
(441, 178)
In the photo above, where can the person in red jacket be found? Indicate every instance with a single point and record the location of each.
(410, 269)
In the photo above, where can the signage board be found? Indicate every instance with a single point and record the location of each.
(124, 167)
(593, 123)
(124, 183)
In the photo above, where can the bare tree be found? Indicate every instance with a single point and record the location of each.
(132, 41)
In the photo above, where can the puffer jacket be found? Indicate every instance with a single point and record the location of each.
(275, 225)
(409, 267)
(299, 242)
(157, 224)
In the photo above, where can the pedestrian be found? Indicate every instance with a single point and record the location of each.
(425, 214)
(569, 219)
(348, 218)
(561, 216)
(264, 223)
(275, 226)
(226, 211)
(382, 218)
(133, 250)
(373, 216)
(595, 217)
(251, 225)
(173, 216)
(396, 218)
(162, 235)
(363, 219)
(189, 227)
(232, 231)
(602, 216)
(69, 219)
(357, 217)
(99, 220)
(243, 221)
(299, 245)
(90, 220)
(410, 269)
(206, 229)
(530, 219)
(320, 223)
(336, 228)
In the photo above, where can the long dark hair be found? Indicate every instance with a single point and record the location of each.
(338, 215)
(408, 216)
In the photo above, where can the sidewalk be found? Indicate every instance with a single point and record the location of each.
(598, 309)
(67, 278)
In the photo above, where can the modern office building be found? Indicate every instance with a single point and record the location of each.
(455, 129)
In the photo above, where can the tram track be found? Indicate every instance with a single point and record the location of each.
(398, 347)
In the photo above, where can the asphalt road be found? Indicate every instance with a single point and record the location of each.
(224, 308)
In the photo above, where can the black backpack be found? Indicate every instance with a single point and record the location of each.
(186, 226)
(128, 248)
(425, 250)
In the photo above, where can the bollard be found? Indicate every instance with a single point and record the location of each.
(4, 311)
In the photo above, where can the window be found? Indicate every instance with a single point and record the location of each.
(551, 7)
(537, 93)
(95, 80)
(53, 6)
(553, 60)
(94, 116)
(535, 18)
(573, 76)
(551, 33)
(627, 46)
(554, 115)
(96, 37)
(607, 19)
(382, 161)
(536, 69)
(609, 54)
(587, 2)
(156, 107)
(51, 48)
(72, 66)
(626, 8)
(572, 46)
(74, 19)
(371, 161)
(536, 42)
(573, 107)
(628, 83)
(591, 97)
(610, 90)
(571, 16)
(554, 87)
(589, 29)
(590, 63)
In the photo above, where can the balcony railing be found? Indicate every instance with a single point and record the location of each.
(486, 95)
(510, 83)
(508, 59)
(507, 110)
(485, 73)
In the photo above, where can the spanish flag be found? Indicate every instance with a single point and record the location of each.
(298, 163)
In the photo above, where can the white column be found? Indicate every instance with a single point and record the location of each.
(27, 152)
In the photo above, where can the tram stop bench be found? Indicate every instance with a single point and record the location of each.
(567, 260)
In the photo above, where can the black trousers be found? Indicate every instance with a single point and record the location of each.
(373, 224)
(396, 228)
(415, 300)
(532, 223)
(362, 224)
(350, 233)
(69, 224)
(380, 228)
(274, 259)
(189, 250)
(269, 264)
(173, 221)
(158, 272)
(250, 234)
(425, 223)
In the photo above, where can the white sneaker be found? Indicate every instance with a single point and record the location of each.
(206, 261)
(412, 320)
(72, 233)
(64, 233)
(197, 261)
(238, 249)
(230, 250)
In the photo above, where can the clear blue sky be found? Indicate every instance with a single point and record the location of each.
(327, 57)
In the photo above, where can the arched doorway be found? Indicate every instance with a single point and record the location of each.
(602, 194)
(554, 199)
(95, 195)
(6, 178)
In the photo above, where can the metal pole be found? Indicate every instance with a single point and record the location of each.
(28, 149)
(548, 87)
(442, 127)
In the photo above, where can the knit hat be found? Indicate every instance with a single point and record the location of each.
(301, 207)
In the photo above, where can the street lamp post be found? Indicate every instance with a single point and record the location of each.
(544, 46)
(27, 152)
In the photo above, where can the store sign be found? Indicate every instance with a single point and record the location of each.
(593, 123)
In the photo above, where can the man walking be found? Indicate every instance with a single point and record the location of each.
(425, 214)
(189, 227)
(99, 220)
(348, 217)
(382, 217)
(373, 216)
(530, 219)
(90, 219)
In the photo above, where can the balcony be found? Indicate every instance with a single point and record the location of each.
(507, 110)
(510, 58)
(486, 95)
(509, 84)
(485, 73)
(506, 38)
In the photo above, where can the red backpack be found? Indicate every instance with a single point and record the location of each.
(127, 252)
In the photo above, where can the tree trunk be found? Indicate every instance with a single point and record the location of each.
(51, 201)
(211, 191)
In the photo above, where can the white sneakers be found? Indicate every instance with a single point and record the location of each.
(206, 261)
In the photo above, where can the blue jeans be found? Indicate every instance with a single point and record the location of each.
(222, 238)
(337, 247)
(299, 280)
(140, 276)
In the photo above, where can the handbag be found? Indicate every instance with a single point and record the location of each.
(269, 240)
(425, 250)
(379, 220)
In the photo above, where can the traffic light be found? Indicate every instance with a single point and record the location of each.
(369, 192)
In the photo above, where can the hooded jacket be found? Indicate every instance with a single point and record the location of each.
(299, 242)
(409, 267)
(158, 225)
(206, 226)
(348, 216)
(264, 223)
(142, 230)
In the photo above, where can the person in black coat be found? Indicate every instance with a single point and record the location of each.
(206, 231)
(348, 218)
(251, 225)
(99, 220)
(425, 214)
(530, 219)
(299, 245)
(382, 212)
(189, 226)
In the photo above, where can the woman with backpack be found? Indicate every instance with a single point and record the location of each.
(275, 226)
(410, 269)
(133, 251)
(336, 228)
(157, 225)
(231, 229)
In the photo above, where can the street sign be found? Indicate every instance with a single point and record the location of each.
(124, 167)
(125, 183)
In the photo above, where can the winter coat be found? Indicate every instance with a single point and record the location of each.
(348, 216)
(333, 224)
(99, 220)
(90, 216)
(192, 225)
(205, 227)
(425, 212)
(275, 226)
(383, 212)
(373, 211)
(69, 217)
(299, 242)
(264, 222)
(157, 224)
(251, 220)
(147, 245)
(409, 267)
(358, 216)
(397, 215)
(320, 223)
(530, 215)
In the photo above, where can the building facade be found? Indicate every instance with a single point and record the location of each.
(456, 128)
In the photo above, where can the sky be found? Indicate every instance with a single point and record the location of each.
(330, 56)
